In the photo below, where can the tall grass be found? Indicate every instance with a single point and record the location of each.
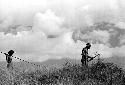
(99, 73)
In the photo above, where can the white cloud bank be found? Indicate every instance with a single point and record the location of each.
(48, 23)
(59, 18)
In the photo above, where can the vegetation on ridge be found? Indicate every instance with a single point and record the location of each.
(99, 73)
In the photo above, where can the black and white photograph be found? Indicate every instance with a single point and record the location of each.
(62, 42)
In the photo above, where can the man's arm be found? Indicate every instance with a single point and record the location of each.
(6, 56)
(83, 51)
(89, 57)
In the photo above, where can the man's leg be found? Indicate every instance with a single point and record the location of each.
(83, 62)
(10, 66)
(10, 71)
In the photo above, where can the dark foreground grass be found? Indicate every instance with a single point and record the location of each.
(99, 73)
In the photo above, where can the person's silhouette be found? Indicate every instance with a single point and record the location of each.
(84, 54)
(9, 58)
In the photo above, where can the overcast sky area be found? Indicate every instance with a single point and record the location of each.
(41, 29)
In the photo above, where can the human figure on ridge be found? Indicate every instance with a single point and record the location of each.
(9, 58)
(85, 56)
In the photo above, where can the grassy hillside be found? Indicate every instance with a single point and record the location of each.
(97, 74)
(70, 73)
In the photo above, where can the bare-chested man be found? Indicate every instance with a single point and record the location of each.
(84, 54)
(9, 58)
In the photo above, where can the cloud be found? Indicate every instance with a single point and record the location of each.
(48, 23)
(6, 23)
(32, 46)
(100, 36)
(96, 36)
(56, 24)
(24, 43)
(76, 13)
(119, 51)
(122, 41)
(67, 47)
(121, 25)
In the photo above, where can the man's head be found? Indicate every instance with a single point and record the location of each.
(88, 45)
(10, 53)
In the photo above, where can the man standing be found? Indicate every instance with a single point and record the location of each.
(9, 58)
(10, 65)
(84, 54)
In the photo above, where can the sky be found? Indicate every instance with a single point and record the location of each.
(38, 30)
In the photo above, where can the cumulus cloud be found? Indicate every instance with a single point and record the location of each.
(33, 45)
(102, 36)
(48, 23)
(121, 25)
(6, 23)
(95, 36)
(119, 51)
(56, 24)
(122, 41)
